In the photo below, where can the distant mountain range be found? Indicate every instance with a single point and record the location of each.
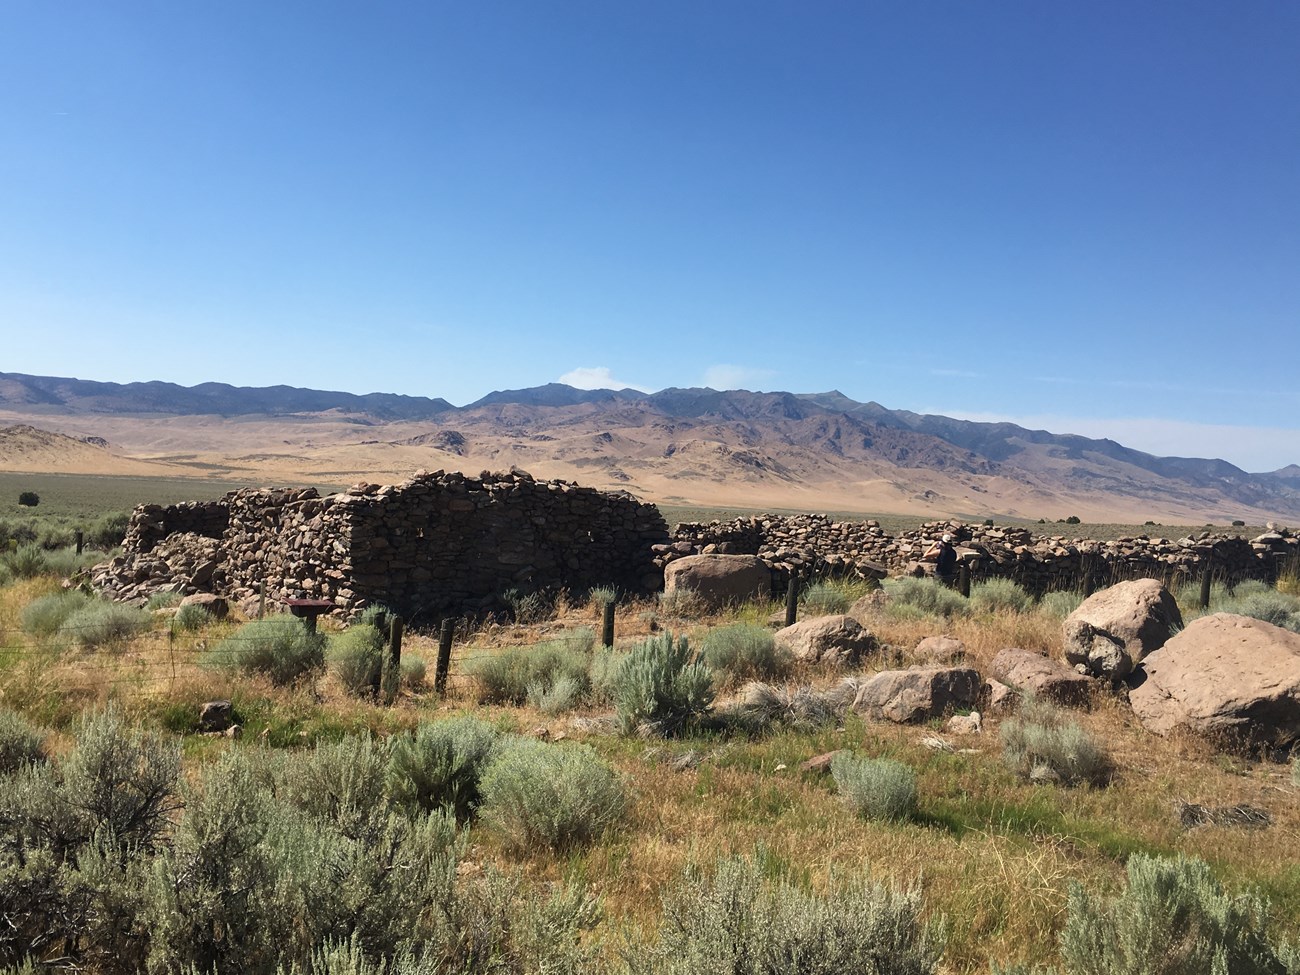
(675, 442)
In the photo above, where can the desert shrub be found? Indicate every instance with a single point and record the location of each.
(744, 651)
(1060, 603)
(824, 598)
(529, 607)
(564, 693)
(190, 618)
(356, 656)
(660, 688)
(278, 646)
(20, 743)
(116, 786)
(910, 597)
(108, 531)
(441, 764)
(603, 674)
(342, 784)
(240, 889)
(27, 561)
(760, 705)
(999, 596)
(29, 499)
(1173, 918)
(602, 596)
(1265, 604)
(682, 603)
(1042, 743)
(414, 672)
(505, 678)
(558, 796)
(163, 599)
(737, 921)
(875, 788)
(99, 623)
(44, 616)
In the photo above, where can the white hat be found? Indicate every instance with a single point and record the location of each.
(947, 538)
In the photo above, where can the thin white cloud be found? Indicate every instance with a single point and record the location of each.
(1250, 448)
(597, 377)
(727, 376)
(957, 373)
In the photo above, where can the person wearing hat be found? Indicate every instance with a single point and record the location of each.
(944, 557)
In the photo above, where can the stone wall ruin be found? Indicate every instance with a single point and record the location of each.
(437, 545)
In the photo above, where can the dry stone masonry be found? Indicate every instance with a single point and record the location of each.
(450, 544)
(439, 544)
(814, 545)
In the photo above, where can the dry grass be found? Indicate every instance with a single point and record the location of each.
(995, 855)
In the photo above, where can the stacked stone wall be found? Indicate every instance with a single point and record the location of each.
(151, 523)
(814, 545)
(439, 544)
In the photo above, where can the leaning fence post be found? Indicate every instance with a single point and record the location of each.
(444, 656)
(607, 630)
(792, 599)
(1206, 574)
(393, 674)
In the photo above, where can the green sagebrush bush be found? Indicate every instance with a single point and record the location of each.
(1268, 605)
(190, 618)
(875, 788)
(508, 677)
(26, 561)
(759, 706)
(998, 596)
(20, 743)
(164, 599)
(1042, 743)
(735, 920)
(823, 598)
(98, 623)
(921, 598)
(278, 646)
(356, 656)
(441, 764)
(1060, 603)
(744, 651)
(42, 617)
(558, 796)
(659, 688)
(1173, 918)
(249, 857)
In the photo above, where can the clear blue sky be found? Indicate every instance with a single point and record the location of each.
(1081, 216)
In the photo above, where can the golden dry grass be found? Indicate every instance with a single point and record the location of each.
(993, 854)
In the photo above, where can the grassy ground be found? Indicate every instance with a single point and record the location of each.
(994, 854)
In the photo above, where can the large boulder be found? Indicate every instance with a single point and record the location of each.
(720, 579)
(1030, 671)
(837, 639)
(1114, 629)
(917, 694)
(1227, 677)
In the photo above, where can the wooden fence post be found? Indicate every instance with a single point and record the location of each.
(607, 630)
(444, 656)
(792, 599)
(963, 579)
(261, 600)
(393, 665)
(1206, 573)
(80, 540)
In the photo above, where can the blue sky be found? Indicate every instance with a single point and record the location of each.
(1084, 217)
